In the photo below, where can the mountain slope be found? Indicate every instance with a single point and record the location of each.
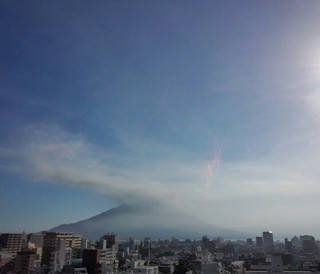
(141, 222)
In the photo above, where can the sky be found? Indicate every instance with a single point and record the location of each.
(212, 107)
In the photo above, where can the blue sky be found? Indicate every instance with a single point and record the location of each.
(214, 105)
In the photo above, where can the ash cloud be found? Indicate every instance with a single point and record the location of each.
(49, 154)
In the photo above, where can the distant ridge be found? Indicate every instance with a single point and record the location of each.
(140, 222)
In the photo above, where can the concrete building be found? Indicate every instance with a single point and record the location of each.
(249, 242)
(25, 262)
(74, 270)
(236, 267)
(51, 244)
(132, 245)
(283, 272)
(111, 240)
(10, 242)
(308, 244)
(7, 262)
(60, 257)
(138, 266)
(108, 248)
(91, 259)
(146, 269)
(288, 245)
(36, 239)
(166, 268)
(207, 244)
(35, 243)
(211, 268)
(71, 240)
(276, 267)
(108, 260)
(268, 240)
(259, 242)
(276, 263)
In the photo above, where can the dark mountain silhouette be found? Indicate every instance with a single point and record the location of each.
(140, 222)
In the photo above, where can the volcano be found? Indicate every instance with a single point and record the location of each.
(139, 222)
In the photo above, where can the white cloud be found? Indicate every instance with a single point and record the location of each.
(50, 154)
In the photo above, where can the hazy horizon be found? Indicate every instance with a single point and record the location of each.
(210, 107)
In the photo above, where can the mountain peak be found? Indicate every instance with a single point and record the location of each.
(139, 222)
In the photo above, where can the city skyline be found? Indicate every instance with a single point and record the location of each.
(66, 252)
(211, 108)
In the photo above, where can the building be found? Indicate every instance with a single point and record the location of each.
(10, 242)
(166, 268)
(211, 268)
(276, 263)
(236, 267)
(288, 245)
(108, 260)
(308, 244)
(90, 260)
(7, 262)
(208, 244)
(71, 240)
(51, 244)
(111, 240)
(60, 257)
(25, 262)
(69, 269)
(138, 266)
(276, 267)
(249, 242)
(132, 245)
(259, 242)
(146, 269)
(268, 240)
(36, 239)
(108, 248)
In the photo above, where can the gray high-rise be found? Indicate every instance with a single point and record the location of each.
(268, 240)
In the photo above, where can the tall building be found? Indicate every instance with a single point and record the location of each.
(36, 239)
(276, 263)
(249, 242)
(60, 257)
(132, 245)
(145, 248)
(268, 240)
(25, 262)
(51, 244)
(259, 242)
(308, 244)
(7, 262)
(108, 260)
(112, 240)
(208, 244)
(288, 245)
(91, 260)
(72, 241)
(35, 243)
(10, 242)
(108, 247)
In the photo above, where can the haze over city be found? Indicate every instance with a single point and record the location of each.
(206, 107)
